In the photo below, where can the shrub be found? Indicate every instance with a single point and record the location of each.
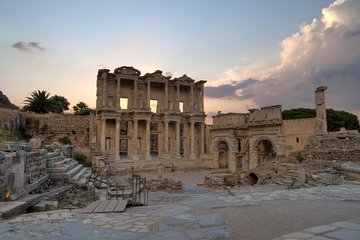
(64, 140)
(81, 158)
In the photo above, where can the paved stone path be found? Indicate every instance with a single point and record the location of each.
(190, 214)
(346, 230)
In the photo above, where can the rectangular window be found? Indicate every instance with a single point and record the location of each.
(181, 106)
(123, 103)
(297, 140)
(153, 105)
(238, 140)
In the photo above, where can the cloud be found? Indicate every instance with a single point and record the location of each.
(27, 46)
(323, 52)
(230, 91)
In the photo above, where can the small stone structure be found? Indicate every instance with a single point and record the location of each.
(243, 141)
(19, 169)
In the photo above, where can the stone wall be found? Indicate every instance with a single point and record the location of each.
(11, 124)
(35, 164)
(328, 151)
(51, 127)
(19, 169)
(297, 133)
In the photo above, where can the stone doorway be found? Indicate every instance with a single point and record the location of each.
(222, 148)
(266, 151)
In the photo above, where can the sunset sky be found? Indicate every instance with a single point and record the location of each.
(253, 53)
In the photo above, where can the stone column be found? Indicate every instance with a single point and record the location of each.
(148, 94)
(192, 139)
(117, 140)
(166, 97)
(118, 81)
(321, 127)
(135, 100)
(166, 135)
(192, 98)
(103, 129)
(178, 139)
(104, 95)
(147, 154)
(202, 139)
(202, 98)
(135, 140)
(178, 97)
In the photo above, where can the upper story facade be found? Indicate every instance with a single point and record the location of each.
(125, 90)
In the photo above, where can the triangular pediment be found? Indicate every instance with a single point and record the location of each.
(125, 70)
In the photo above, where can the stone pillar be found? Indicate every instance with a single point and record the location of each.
(104, 95)
(178, 97)
(135, 140)
(321, 125)
(148, 94)
(166, 97)
(178, 139)
(118, 81)
(135, 100)
(117, 140)
(103, 129)
(192, 98)
(147, 154)
(202, 139)
(192, 140)
(166, 136)
(202, 98)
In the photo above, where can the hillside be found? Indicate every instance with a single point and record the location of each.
(5, 102)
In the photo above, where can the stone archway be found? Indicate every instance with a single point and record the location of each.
(266, 150)
(223, 154)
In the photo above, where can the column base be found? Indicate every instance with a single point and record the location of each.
(135, 158)
(192, 156)
(178, 156)
(148, 157)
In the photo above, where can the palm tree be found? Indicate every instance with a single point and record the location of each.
(80, 106)
(38, 102)
(59, 104)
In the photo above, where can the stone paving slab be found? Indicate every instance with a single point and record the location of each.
(189, 215)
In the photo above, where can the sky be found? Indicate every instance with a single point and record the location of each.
(252, 53)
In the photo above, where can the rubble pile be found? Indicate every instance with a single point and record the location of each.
(166, 184)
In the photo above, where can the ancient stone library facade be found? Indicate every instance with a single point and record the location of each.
(149, 120)
(153, 120)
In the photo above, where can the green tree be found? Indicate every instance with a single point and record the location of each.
(82, 108)
(335, 118)
(38, 102)
(59, 104)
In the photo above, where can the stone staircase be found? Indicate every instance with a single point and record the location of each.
(67, 169)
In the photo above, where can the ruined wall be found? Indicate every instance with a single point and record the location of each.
(230, 119)
(297, 133)
(19, 169)
(51, 127)
(35, 164)
(328, 151)
(12, 123)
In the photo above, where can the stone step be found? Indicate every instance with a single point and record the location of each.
(73, 171)
(55, 159)
(78, 175)
(61, 163)
(88, 172)
(51, 154)
(63, 169)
